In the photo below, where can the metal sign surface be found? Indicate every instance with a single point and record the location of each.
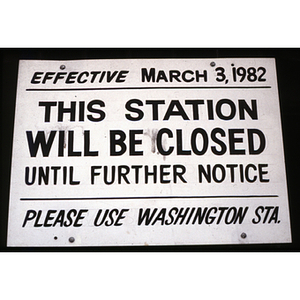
(147, 152)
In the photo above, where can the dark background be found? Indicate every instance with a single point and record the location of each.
(288, 68)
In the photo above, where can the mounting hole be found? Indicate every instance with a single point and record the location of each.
(55, 237)
(62, 67)
(212, 64)
(71, 240)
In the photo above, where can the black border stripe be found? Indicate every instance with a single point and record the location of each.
(144, 88)
(150, 197)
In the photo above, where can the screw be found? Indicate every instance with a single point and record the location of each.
(71, 240)
(243, 235)
(212, 64)
(62, 67)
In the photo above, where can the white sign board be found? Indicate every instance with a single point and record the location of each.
(147, 152)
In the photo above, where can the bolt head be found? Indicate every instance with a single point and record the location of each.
(71, 240)
(243, 235)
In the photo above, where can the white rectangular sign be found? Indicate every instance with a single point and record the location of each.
(147, 152)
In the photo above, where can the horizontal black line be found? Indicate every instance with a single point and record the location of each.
(151, 197)
(146, 88)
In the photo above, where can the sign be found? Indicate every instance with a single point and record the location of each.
(147, 152)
